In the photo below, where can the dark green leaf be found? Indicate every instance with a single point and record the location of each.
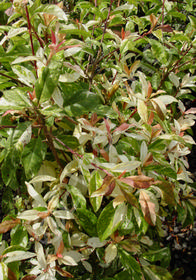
(47, 82)
(78, 199)
(130, 263)
(163, 255)
(161, 272)
(32, 156)
(162, 170)
(88, 221)
(105, 222)
(19, 236)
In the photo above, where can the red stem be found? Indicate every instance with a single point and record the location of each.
(31, 38)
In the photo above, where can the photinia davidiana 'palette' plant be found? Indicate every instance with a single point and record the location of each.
(94, 137)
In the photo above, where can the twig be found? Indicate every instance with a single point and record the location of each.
(11, 78)
(163, 7)
(31, 38)
(80, 156)
(102, 38)
(175, 66)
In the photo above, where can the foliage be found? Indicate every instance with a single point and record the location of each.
(94, 136)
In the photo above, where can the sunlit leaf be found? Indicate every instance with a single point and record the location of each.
(8, 225)
(110, 253)
(148, 208)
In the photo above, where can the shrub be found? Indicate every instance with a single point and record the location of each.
(94, 136)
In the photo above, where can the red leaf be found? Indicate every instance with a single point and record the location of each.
(11, 275)
(165, 28)
(148, 208)
(63, 272)
(106, 188)
(53, 37)
(60, 249)
(122, 33)
(138, 182)
(29, 277)
(108, 130)
(9, 224)
(104, 154)
(149, 89)
(122, 127)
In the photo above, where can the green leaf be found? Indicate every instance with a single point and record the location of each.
(33, 156)
(130, 263)
(47, 82)
(162, 170)
(95, 184)
(82, 102)
(22, 134)
(159, 52)
(14, 99)
(161, 272)
(69, 140)
(9, 168)
(123, 275)
(19, 236)
(163, 255)
(78, 199)
(105, 226)
(88, 221)
(168, 193)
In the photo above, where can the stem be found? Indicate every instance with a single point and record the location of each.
(163, 7)
(99, 51)
(68, 148)
(11, 78)
(41, 42)
(176, 66)
(7, 126)
(31, 38)
(80, 156)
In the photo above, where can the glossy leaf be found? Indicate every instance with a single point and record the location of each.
(130, 263)
(78, 199)
(88, 221)
(105, 221)
(95, 184)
